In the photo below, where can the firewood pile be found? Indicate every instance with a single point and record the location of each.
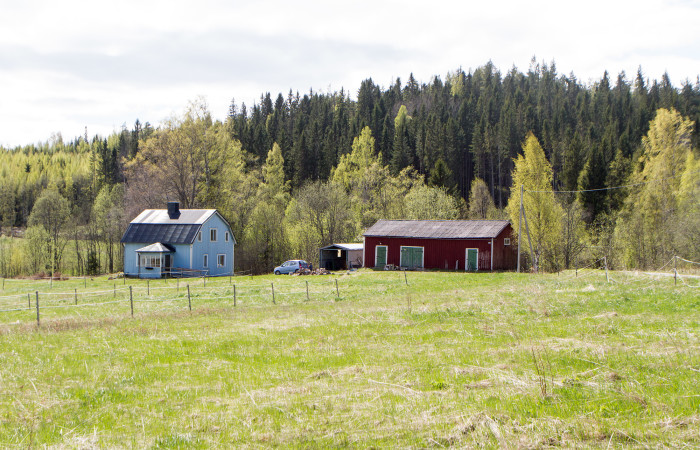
(320, 271)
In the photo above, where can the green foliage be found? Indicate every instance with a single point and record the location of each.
(430, 203)
(657, 211)
(481, 204)
(533, 171)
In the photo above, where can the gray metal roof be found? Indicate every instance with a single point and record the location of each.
(343, 247)
(187, 216)
(156, 248)
(438, 229)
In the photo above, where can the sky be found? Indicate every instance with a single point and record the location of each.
(71, 64)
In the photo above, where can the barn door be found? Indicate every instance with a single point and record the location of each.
(380, 256)
(472, 260)
(411, 257)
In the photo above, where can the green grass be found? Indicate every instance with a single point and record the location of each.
(449, 359)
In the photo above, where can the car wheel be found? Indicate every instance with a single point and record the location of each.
(277, 272)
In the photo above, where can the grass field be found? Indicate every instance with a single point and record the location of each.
(385, 359)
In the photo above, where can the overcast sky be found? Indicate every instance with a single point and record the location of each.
(68, 64)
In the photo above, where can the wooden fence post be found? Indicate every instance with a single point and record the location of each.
(37, 309)
(307, 290)
(115, 290)
(75, 292)
(405, 277)
(234, 295)
(607, 278)
(189, 299)
(273, 292)
(29, 300)
(337, 292)
(148, 286)
(131, 301)
(675, 270)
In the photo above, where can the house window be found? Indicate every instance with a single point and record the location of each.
(212, 235)
(199, 236)
(226, 236)
(220, 260)
(506, 241)
(148, 260)
(206, 261)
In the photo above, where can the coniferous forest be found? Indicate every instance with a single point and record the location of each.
(297, 171)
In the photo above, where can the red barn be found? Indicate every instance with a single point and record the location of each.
(440, 244)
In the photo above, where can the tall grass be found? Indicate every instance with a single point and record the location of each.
(447, 359)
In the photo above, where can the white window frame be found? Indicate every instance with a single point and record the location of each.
(375, 254)
(213, 235)
(422, 255)
(205, 261)
(218, 264)
(506, 241)
(199, 236)
(151, 260)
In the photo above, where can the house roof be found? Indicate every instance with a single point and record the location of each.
(154, 225)
(156, 248)
(343, 247)
(186, 217)
(438, 229)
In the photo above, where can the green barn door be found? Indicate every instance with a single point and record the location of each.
(380, 256)
(411, 257)
(472, 259)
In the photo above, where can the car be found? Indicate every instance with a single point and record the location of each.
(291, 266)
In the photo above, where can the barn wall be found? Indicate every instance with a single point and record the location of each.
(447, 253)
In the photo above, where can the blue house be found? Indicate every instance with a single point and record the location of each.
(179, 243)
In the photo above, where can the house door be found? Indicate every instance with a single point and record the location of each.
(472, 260)
(380, 256)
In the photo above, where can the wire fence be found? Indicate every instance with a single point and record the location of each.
(250, 292)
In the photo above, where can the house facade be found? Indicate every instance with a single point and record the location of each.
(178, 243)
(471, 245)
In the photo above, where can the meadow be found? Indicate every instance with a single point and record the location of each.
(361, 359)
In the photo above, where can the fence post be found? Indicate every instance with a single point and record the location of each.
(3, 284)
(337, 292)
(37, 309)
(204, 280)
(607, 278)
(234, 295)
(307, 290)
(405, 277)
(29, 300)
(75, 291)
(131, 301)
(178, 285)
(273, 292)
(189, 299)
(148, 286)
(675, 270)
(115, 290)
(85, 281)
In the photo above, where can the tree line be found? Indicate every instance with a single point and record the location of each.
(304, 171)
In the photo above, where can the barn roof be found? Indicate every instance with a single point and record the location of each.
(438, 229)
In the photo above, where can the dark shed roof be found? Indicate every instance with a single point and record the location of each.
(438, 229)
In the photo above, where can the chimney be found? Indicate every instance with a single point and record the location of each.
(173, 210)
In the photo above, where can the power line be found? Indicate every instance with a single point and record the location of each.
(613, 187)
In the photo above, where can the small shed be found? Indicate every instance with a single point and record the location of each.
(440, 244)
(341, 256)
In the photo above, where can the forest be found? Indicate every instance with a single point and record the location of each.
(608, 168)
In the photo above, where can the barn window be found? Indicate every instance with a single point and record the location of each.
(212, 235)
(206, 261)
(506, 241)
(226, 236)
(199, 236)
(220, 260)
